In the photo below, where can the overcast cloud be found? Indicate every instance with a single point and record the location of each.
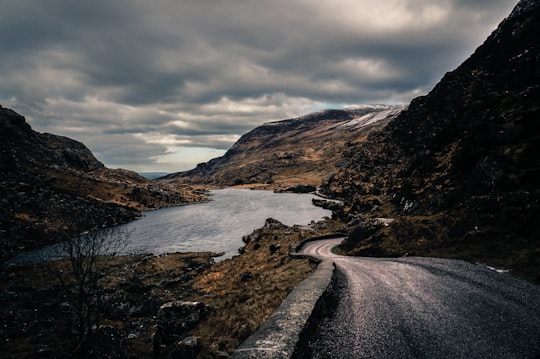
(165, 84)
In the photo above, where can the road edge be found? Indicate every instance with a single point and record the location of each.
(286, 332)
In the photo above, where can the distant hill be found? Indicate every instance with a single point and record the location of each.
(153, 175)
(459, 170)
(52, 187)
(294, 152)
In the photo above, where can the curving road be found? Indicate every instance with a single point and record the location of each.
(426, 308)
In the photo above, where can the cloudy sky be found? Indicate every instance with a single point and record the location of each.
(164, 84)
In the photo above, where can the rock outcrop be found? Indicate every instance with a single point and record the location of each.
(174, 322)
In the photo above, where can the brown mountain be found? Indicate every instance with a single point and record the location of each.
(459, 170)
(52, 186)
(294, 152)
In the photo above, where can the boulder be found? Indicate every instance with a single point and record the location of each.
(186, 348)
(180, 315)
(174, 321)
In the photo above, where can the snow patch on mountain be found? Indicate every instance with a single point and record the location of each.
(384, 112)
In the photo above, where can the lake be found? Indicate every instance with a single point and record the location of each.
(219, 225)
(215, 226)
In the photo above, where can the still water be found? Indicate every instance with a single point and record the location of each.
(219, 225)
(216, 226)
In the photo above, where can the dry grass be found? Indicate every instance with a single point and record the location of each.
(444, 236)
(242, 293)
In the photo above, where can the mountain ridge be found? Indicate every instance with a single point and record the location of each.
(53, 187)
(290, 152)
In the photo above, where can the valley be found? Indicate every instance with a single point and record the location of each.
(454, 174)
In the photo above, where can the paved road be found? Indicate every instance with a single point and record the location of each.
(426, 308)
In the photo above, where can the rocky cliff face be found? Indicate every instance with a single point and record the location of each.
(459, 168)
(299, 151)
(53, 186)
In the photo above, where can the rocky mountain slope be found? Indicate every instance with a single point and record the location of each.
(294, 152)
(53, 186)
(459, 170)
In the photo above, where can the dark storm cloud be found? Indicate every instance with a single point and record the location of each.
(140, 81)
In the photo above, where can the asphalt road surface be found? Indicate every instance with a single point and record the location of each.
(426, 308)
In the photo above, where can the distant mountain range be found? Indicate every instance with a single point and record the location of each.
(153, 175)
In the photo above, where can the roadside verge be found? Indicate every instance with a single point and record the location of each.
(287, 331)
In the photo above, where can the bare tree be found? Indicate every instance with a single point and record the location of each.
(87, 256)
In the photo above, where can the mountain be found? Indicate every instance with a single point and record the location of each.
(52, 187)
(293, 152)
(454, 174)
(459, 170)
